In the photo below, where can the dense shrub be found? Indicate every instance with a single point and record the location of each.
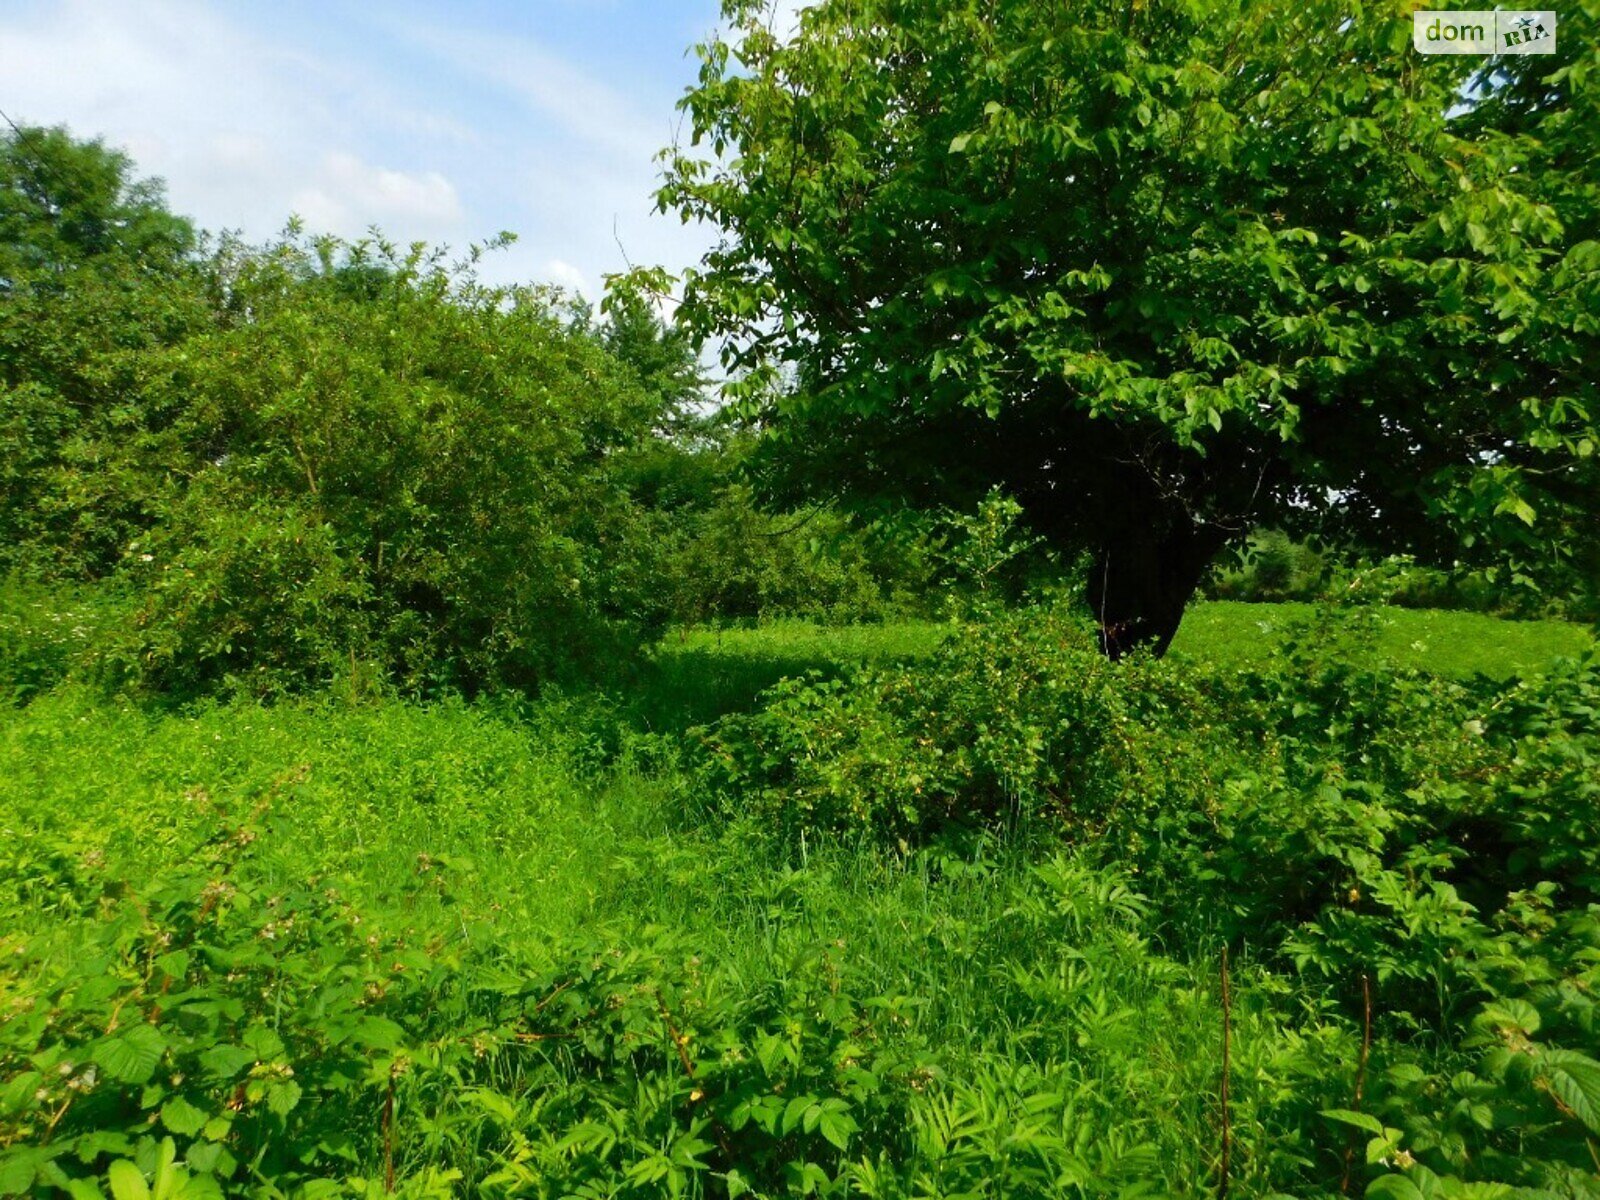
(1010, 718)
(730, 559)
(1272, 567)
(94, 273)
(1424, 853)
(48, 632)
(387, 471)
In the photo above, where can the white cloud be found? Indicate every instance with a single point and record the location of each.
(567, 275)
(243, 128)
(446, 135)
(349, 195)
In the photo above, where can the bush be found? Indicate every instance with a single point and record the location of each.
(1016, 718)
(48, 632)
(1272, 566)
(228, 1027)
(409, 480)
(1424, 854)
(730, 559)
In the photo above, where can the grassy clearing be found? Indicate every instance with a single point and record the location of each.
(1456, 645)
(700, 674)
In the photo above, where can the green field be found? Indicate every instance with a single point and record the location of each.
(1453, 644)
(983, 1015)
(702, 673)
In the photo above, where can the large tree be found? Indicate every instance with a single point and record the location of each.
(1164, 269)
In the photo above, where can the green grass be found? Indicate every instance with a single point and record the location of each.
(700, 674)
(697, 675)
(1453, 644)
(539, 845)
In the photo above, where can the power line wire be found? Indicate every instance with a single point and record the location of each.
(25, 139)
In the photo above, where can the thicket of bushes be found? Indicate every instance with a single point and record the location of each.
(284, 465)
(1407, 871)
(1423, 856)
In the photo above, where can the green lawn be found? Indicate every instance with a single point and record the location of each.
(700, 674)
(1454, 644)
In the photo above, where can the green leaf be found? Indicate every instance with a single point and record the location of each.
(379, 1033)
(1574, 1080)
(283, 1096)
(131, 1056)
(225, 1061)
(837, 1128)
(958, 144)
(127, 1183)
(203, 1156)
(1393, 1187)
(500, 1107)
(101, 1141)
(1510, 1014)
(262, 1043)
(181, 1117)
(794, 1112)
(17, 1169)
(1360, 1120)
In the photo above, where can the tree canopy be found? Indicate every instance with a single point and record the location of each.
(1166, 271)
(66, 202)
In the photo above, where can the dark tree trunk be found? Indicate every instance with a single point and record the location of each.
(1146, 567)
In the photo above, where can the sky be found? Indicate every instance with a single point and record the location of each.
(445, 122)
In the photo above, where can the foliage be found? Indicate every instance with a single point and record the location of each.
(372, 467)
(94, 271)
(1433, 844)
(1006, 719)
(467, 903)
(986, 555)
(66, 203)
(1310, 908)
(283, 1026)
(731, 560)
(1166, 273)
(49, 633)
(1272, 566)
(318, 461)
